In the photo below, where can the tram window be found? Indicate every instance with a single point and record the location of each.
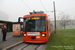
(47, 25)
(34, 24)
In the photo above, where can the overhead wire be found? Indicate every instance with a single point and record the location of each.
(30, 8)
(26, 4)
(67, 10)
(70, 9)
(42, 4)
(61, 4)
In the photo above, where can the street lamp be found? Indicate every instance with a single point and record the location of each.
(54, 15)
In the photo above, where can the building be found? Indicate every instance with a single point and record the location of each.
(8, 24)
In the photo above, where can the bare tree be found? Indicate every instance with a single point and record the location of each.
(64, 19)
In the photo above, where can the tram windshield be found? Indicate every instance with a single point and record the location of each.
(34, 24)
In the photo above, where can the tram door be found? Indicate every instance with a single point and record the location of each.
(16, 30)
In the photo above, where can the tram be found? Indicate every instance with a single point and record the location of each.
(36, 27)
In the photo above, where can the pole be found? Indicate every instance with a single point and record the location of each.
(54, 16)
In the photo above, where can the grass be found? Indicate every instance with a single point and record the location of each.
(71, 31)
(64, 39)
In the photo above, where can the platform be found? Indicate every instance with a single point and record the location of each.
(10, 40)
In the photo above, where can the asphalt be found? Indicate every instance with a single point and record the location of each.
(10, 40)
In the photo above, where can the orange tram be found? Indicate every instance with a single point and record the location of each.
(36, 27)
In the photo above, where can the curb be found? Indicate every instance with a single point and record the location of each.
(12, 45)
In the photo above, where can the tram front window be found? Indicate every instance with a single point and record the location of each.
(34, 24)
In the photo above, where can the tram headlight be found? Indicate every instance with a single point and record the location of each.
(24, 34)
(43, 35)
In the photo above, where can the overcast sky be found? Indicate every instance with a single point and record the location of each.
(16, 8)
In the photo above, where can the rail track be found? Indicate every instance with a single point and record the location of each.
(26, 46)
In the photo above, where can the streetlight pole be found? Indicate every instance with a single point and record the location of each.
(54, 16)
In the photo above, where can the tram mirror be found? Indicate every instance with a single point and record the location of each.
(20, 18)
